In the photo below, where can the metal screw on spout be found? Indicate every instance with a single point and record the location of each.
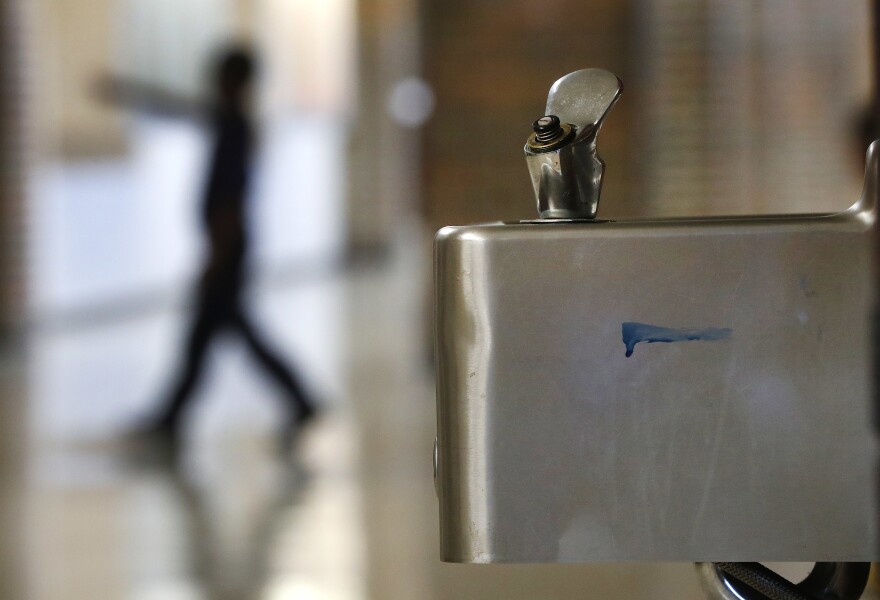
(549, 134)
(547, 128)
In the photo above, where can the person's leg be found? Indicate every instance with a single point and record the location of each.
(203, 329)
(301, 408)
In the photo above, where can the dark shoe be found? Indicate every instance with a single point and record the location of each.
(295, 424)
(306, 415)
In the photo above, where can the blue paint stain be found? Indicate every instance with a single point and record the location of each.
(633, 333)
(805, 287)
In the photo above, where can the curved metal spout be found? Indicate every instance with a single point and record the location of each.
(562, 155)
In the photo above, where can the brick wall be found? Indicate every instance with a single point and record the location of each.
(491, 64)
(728, 107)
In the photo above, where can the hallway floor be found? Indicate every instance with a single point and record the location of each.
(350, 515)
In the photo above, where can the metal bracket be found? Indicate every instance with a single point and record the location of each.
(753, 581)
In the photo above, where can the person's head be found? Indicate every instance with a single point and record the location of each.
(234, 71)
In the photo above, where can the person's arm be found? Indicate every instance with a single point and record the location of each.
(144, 96)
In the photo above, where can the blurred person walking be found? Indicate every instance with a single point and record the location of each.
(219, 305)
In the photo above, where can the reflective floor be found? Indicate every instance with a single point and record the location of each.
(349, 514)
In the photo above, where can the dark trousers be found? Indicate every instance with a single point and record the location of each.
(220, 310)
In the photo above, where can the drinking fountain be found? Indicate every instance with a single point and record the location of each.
(677, 389)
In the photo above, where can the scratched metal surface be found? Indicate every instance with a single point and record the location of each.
(554, 446)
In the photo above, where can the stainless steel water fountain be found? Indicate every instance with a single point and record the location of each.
(678, 389)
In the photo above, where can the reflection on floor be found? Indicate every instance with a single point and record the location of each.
(350, 515)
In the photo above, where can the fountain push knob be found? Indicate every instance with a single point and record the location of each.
(561, 153)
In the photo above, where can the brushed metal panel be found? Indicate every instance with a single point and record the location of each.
(554, 446)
